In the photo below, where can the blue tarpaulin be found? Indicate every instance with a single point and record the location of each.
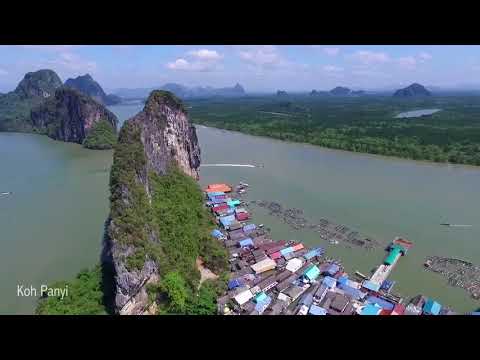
(317, 310)
(384, 304)
(329, 281)
(312, 253)
(260, 306)
(245, 242)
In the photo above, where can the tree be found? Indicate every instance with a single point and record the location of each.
(175, 288)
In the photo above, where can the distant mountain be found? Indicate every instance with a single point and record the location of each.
(414, 90)
(281, 93)
(38, 84)
(86, 85)
(184, 92)
(340, 91)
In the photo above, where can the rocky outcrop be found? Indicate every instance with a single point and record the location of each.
(159, 136)
(414, 90)
(86, 85)
(38, 84)
(69, 116)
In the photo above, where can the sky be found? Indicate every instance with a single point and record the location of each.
(256, 67)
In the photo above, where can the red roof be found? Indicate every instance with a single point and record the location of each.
(242, 216)
(276, 255)
(220, 207)
(274, 249)
(398, 309)
(385, 312)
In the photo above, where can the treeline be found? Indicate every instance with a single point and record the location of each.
(365, 125)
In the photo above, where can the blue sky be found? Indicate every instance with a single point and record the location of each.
(256, 67)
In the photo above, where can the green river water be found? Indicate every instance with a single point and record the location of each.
(51, 226)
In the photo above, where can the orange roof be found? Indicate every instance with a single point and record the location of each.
(298, 247)
(218, 187)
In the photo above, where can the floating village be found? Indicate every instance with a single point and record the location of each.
(285, 277)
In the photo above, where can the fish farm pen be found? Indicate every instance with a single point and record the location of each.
(280, 277)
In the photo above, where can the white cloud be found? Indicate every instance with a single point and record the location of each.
(407, 62)
(332, 68)
(201, 60)
(264, 56)
(3, 72)
(72, 62)
(179, 64)
(330, 51)
(205, 54)
(370, 57)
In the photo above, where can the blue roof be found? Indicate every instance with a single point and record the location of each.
(211, 195)
(263, 304)
(312, 253)
(317, 310)
(249, 227)
(384, 304)
(367, 284)
(232, 284)
(329, 281)
(371, 309)
(217, 233)
(475, 313)
(343, 279)
(227, 220)
(312, 272)
(354, 293)
(246, 242)
(286, 250)
(432, 307)
(387, 284)
(333, 269)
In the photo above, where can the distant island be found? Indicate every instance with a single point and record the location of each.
(183, 92)
(414, 90)
(338, 91)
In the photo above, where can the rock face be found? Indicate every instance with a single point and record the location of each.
(38, 84)
(414, 90)
(69, 116)
(157, 137)
(86, 85)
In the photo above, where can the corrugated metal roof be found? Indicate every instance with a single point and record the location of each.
(329, 281)
(432, 307)
(371, 309)
(246, 242)
(380, 302)
(317, 310)
(312, 272)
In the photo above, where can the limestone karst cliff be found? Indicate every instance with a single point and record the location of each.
(149, 144)
(70, 116)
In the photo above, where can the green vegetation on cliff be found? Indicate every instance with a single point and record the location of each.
(101, 137)
(86, 296)
(173, 229)
(362, 124)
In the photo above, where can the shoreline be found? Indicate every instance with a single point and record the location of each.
(365, 154)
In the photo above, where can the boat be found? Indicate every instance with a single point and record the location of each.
(456, 225)
(6, 193)
(243, 184)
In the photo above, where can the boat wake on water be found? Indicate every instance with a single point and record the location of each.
(6, 193)
(456, 225)
(232, 165)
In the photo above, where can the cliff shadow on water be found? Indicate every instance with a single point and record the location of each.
(108, 271)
